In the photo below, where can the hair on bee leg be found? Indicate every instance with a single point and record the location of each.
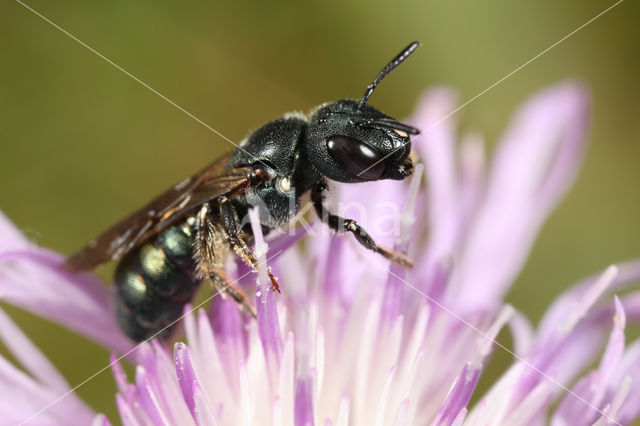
(210, 250)
(234, 236)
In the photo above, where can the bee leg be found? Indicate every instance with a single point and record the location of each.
(234, 237)
(341, 225)
(209, 239)
(222, 283)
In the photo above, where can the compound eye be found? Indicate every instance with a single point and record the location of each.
(356, 158)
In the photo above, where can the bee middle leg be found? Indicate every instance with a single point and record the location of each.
(234, 233)
(209, 240)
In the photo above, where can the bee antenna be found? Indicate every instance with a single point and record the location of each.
(406, 52)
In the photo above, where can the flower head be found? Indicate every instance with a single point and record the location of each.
(356, 340)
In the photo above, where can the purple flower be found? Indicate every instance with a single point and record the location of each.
(353, 339)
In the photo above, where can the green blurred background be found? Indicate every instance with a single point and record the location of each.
(82, 144)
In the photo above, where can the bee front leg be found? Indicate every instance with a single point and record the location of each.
(234, 237)
(209, 240)
(341, 225)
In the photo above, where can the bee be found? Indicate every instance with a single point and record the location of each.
(184, 236)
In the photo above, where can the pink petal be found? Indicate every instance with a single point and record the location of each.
(120, 377)
(127, 414)
(458, 396)
(395, 289)
(26, 400)
(229, 329)
(34, 279)
(30, 356)
(628, 274)
(592, 388)
(455, 406)
(186, 374)
(12, 238)
(534, 165)
(629, 367)
(148, 399)
(303, 414)
(268, 323)
(202, 408)
(436, 147)
(522, 333)
(216, 352)
(100, 420)
(282, 242)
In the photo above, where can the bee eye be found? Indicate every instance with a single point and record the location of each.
(356, 158)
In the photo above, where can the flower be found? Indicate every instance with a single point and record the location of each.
(354, 340)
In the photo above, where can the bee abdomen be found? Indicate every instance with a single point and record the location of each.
(154, 282)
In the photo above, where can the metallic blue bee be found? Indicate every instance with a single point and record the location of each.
(184, 236)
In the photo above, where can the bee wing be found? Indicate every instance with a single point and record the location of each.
(164, 210)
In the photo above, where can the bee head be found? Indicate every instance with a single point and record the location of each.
(351, 141)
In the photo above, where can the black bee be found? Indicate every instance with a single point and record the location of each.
(184, 236)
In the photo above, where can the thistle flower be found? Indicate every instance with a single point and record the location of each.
(353, 339)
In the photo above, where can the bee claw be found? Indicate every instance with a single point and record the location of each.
(396, 257)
